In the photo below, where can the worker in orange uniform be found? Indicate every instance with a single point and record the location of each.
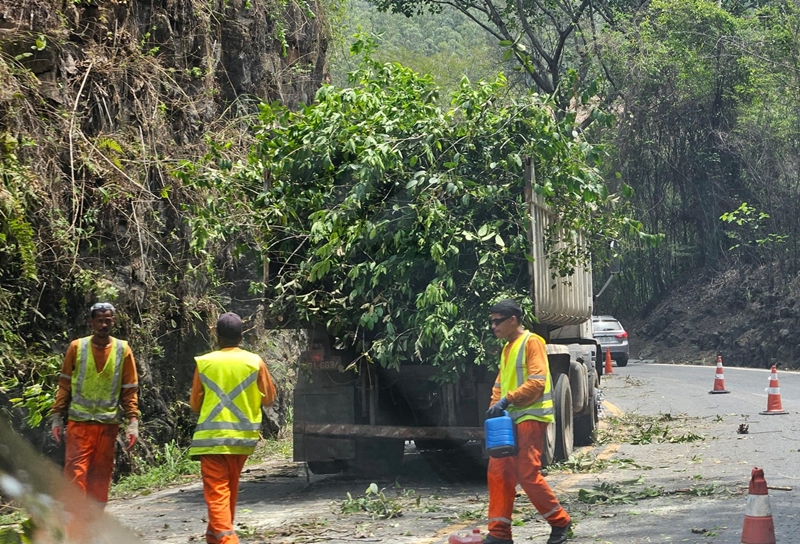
(523, 388)
(230, 387)
(98, 378)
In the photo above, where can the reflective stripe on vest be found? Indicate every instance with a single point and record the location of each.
(230, 418)
(512, 377)
(95, 395)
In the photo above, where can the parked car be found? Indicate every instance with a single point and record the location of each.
(610, 334)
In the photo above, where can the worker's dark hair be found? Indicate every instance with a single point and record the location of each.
(229, 329)
(507, 308)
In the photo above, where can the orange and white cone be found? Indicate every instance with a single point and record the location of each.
(719, 379)
(773, 395)
(758, 527)
(608, 362)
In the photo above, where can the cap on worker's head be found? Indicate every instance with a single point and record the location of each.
(229, 326)
(507, 308)
(102, 307)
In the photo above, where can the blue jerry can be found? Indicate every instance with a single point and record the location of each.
(500, 441)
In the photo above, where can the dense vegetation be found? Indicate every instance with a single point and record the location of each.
(98, 104)
(398, 189)
(446, 45)
(394, 222)
(708, 121)
(703, 95)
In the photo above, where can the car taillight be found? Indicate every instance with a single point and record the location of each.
(622, 335)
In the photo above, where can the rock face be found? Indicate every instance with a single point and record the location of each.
(748, 315)
(101, 101)
(214, 53)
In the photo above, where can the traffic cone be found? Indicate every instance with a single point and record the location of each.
(758, 527)
(773, 396)
(608, 362)
(719, 380)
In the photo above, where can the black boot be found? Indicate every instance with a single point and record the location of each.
(494, 540)
(558, 535)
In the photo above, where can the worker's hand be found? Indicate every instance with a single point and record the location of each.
(132, 432)
(497, 409)
(57, 427)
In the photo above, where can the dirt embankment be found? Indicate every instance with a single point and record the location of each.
(749, 315)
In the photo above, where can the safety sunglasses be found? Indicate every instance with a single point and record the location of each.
(102, 306)
(497, 321)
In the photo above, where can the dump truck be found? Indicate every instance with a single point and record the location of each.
(353, 415)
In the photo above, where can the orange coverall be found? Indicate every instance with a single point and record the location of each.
(221, 472)
(89, 459)
(525, 467)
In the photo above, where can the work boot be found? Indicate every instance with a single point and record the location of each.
(558, 535)
(494, 540)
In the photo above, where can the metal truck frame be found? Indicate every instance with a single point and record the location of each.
(352, 415)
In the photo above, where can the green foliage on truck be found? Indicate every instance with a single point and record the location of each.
(395, 222)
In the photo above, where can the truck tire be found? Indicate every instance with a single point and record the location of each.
(562, 400)
(586, 424)
(549, 446)
(599, 362)
(578, 385)
(593, 381)
(325, 467)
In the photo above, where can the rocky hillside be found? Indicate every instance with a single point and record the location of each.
(101, 101)
(750, 315)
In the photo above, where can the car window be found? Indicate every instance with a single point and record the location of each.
(607, 326)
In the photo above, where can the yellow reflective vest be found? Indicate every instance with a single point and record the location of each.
(230, 418)
(514, 373)
(95, 395)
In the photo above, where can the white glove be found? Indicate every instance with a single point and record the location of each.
(132, 432)
(57, 427)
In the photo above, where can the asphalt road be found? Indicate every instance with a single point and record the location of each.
(720, 464)
(684, 388)
(670, 490)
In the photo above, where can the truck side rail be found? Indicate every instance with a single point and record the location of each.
(389, 431)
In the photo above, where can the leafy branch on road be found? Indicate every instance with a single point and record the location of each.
(609, 493)
(606, 493)
(475, 514)
(374, 502)
(638, 429)
(627, 462)
(306, 532)
(580, 463)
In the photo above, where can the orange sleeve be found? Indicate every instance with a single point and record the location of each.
(265, 385)
(198, 393)
(495, 390)
(129, 397)
(64, 392)
(533, 388)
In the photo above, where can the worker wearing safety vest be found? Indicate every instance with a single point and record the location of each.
(98, 380)
(523, 388)
(230, 387)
